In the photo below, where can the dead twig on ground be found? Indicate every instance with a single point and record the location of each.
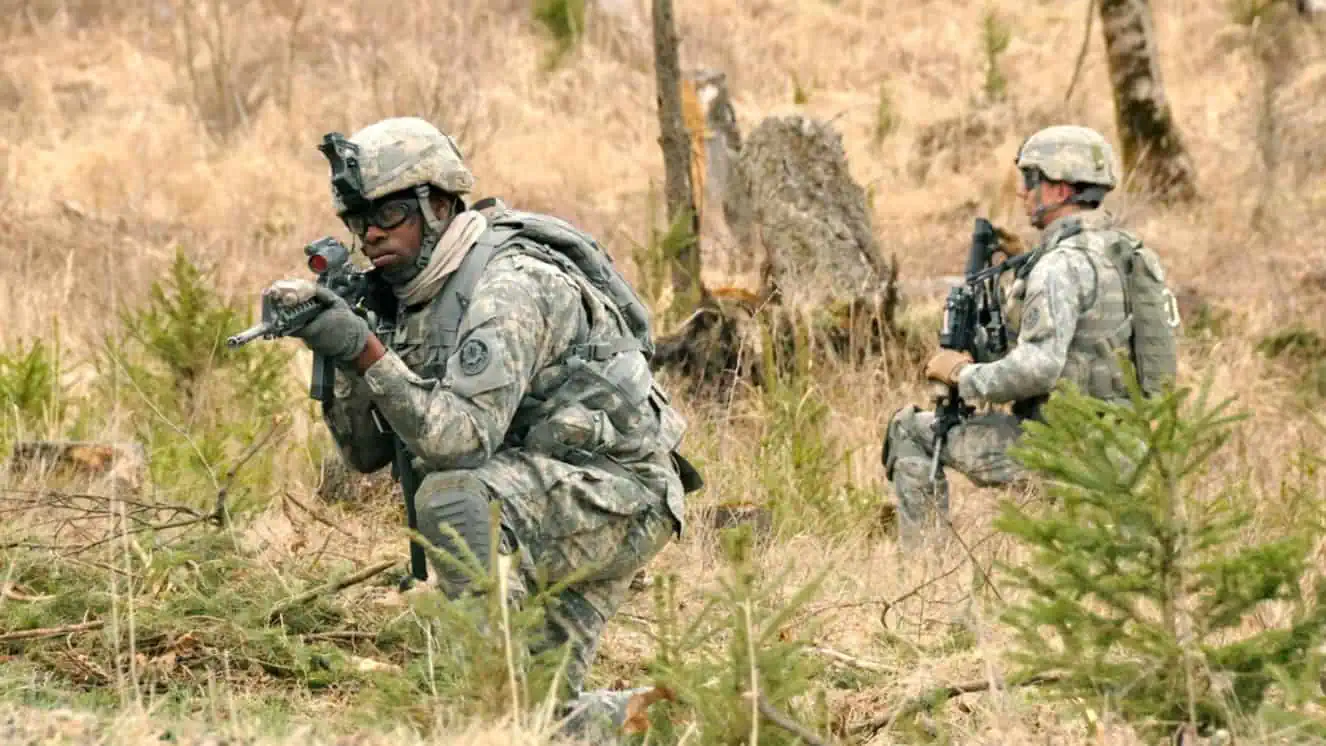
(315, 515)
(93, 506)
(218, 515)
(329, 588)
(10, 592)
(939, 695)
(841, 657)
(44, 632)
(778, 718)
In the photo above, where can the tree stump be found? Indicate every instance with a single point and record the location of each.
(715, 146)
(806, 215)
(823, 283)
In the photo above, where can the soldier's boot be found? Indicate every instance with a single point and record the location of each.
(596, 717)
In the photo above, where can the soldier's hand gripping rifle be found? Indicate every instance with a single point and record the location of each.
(974, 324)
(330, 261)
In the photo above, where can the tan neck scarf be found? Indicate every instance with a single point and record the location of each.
(451, 249)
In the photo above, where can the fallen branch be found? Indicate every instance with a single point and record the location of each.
(10, 593)
(37, 634)
(348, 634)
(329, 588)
(315, 514)
(45, 498)
(938, 695)
(775, 716)
(860, 663)
(892, 605)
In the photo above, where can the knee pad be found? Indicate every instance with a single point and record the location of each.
(458, 500)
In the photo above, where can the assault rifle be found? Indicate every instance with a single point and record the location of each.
(330, 261)
(973, 323)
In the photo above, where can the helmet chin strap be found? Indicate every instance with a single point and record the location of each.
(1038, 215)
(1089, 197)
(434, 227)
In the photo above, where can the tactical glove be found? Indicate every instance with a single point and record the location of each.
(337, 333)
(1010, 243)
(945, 365)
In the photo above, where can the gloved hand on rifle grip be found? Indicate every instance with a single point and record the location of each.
(1010, 243)
(338, 333)
(945, 365)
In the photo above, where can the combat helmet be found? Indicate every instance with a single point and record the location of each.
(1070, 153)
(390, 156)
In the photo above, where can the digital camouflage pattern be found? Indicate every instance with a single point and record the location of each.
(473, 412)
(976, 447)
(404, 152)
(1070, 153)
(1068, 313)
(1071, 317)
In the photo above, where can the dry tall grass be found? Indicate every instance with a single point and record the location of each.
(129, 128)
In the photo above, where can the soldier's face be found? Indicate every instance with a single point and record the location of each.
(1046, 193)
(396, 244)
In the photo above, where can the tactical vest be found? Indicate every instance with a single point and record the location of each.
(599, 399)
(1102, 331)
(1108, 325)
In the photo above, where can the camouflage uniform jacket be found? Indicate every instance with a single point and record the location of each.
(505, 385)
(1073, 318)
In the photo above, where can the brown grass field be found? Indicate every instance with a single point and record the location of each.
(117, 147)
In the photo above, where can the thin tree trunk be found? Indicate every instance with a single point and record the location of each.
(1273, 43)
(675, 142)
(1153, 150)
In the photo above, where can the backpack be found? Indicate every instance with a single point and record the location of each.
(573, 250)
(578, 252)
(1153, 310)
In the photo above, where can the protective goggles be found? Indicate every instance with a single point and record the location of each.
(1030, 178)
(385, 215)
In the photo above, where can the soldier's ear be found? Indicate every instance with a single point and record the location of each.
(445, 204)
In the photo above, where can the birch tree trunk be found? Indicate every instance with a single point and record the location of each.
(1154, 154)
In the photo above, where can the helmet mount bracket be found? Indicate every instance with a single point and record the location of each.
(346, 179)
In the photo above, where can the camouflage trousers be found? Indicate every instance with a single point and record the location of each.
(558, 519)
(977, 448)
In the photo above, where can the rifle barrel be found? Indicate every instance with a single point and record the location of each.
(248, 335)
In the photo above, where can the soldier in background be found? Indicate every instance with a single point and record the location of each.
(1089, 291)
